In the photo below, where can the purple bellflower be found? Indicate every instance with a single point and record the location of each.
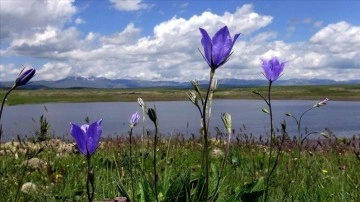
(272, 68)
(134, 119)
(24, 77)
(87, 137)
(218, 49)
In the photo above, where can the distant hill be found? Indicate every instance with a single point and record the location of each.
(81, 82)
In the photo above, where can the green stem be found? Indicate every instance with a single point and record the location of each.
(130, 167)
(206, 142)
(4, 99)
(89, 180)
(154, 161)
(271, 141)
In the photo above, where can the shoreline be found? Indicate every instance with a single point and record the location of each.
(333, 92)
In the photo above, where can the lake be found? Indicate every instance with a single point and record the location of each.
(341, 117)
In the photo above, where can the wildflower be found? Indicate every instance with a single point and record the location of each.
(321, 103)
(218, 49)
(134, 119)
(87, 137)
(272, 68)
(24, 77)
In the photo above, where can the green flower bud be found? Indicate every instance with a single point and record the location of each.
(226, 118)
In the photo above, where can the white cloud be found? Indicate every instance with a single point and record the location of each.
(53, 71)
(79, 21)
(171, 51)
(21, 18)
(129, 5)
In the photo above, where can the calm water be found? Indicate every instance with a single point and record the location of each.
(343, 118)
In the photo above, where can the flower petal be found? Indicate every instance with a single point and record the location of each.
(80, 137)
(221, 46)
(206, 42)
(94, 132)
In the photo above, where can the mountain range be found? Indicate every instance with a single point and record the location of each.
(94, 82)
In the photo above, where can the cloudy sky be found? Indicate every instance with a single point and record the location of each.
(160, 39)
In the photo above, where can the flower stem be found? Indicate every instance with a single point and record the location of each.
(272, 135)
(4, 99)
(89, 180)
(154, 161)
(130, 167)
(206, 141)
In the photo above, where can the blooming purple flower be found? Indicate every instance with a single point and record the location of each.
(218, 49)
(24, 77)
(272, 68)
(134, 119)
(87, 137)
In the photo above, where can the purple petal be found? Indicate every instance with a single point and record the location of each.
(266, 68)
(134, 119)
(80, 137)
(206, 42)
(93, 133)
(222, 44)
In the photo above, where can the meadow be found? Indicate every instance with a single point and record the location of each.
(321, 169)
(334, 92)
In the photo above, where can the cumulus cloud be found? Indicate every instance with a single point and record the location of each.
(21, 18)
(129, 5)
(170, 52)
(53, 71)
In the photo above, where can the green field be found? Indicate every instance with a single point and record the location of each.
(333, 92)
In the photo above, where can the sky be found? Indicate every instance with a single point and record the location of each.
(160, 39)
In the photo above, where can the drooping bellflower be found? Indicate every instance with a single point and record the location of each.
(87, 137)
(272, 68)
(218, 49)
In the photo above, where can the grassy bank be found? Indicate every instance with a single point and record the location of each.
(334, 92)
(327, 170)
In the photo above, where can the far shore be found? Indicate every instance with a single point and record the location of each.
(333, 92)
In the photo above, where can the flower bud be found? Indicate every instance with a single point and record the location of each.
(256, 92)
(321, 103)
(24, 77)
(152, 115)
(226, 118)
(195, 85)
(266, 111)
(141, 102)
(192, 97)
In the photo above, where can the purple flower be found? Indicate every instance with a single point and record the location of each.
(24, 77)
(87, 137)
(272, 68)
(218, 49)
(134, 119)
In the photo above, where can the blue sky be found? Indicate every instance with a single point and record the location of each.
(159, 40)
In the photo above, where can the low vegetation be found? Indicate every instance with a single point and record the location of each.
(338, 92)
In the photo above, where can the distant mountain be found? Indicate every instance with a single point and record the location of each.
(81, 82)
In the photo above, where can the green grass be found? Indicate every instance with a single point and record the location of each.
(334, 92)
(64, 177)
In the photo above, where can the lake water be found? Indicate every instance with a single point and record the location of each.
(341, 117)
